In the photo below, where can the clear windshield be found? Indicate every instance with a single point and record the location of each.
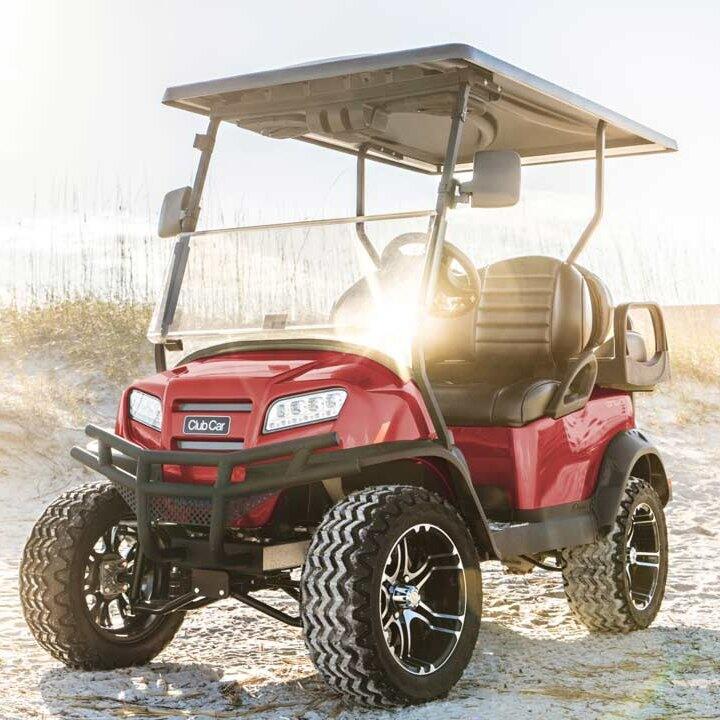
(300, 281)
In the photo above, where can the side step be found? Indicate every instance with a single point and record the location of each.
(530, 538)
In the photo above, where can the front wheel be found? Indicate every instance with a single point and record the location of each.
(75, 583)
(392, 596)
(617, 583)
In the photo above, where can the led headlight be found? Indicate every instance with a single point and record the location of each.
(304, 409)
(146, 409)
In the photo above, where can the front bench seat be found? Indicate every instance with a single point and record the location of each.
(481, 403)
(504, 364)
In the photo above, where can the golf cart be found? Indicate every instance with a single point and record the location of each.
(371, 409)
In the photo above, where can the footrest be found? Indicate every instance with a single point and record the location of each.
(515, 539)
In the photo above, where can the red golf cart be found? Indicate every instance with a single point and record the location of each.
(370, 408)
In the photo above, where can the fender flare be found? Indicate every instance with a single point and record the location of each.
(628, 451)
(465, 499)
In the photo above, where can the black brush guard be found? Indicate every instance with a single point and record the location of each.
(137, 472)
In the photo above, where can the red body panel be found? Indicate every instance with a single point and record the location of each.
(380, 407)
(545, 463)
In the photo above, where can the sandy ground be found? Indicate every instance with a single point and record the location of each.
(532, 659)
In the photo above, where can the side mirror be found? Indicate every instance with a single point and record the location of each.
(495, 181)
(173, 209)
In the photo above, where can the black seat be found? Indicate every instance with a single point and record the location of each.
(483, 403)
(526, 351)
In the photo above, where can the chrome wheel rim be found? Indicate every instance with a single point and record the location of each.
(423, 599)
(642, 556)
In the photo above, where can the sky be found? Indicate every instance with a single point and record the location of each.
(82, 125)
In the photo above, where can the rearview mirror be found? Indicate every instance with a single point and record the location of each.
(496, 179)
(172, 212)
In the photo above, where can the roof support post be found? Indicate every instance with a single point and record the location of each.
(599, 193)
(446, 190)
(205, 144)
(360, 206)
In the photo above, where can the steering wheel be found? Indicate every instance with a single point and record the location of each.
(458, 283)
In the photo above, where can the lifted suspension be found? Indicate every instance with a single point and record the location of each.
(209, 586)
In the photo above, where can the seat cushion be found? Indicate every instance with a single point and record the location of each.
(482, 403)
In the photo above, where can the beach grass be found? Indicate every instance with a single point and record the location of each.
(89, 334)
(110, 337)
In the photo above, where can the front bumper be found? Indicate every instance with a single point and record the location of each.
(137, 473)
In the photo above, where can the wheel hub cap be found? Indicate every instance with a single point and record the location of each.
(405, 596)
(113, 577)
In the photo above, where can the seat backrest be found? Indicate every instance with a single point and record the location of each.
(534, 314)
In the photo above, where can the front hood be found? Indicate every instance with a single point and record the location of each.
(380, 406)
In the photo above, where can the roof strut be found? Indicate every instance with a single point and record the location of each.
(599, 193)
(434, 256)
(205, 144)
(360, 205)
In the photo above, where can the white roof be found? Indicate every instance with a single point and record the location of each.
(399, 104)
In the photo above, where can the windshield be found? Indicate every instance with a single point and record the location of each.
(302, 280)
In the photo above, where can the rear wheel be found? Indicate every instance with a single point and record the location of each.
(75, 583)
(617, 583)
(392, 596)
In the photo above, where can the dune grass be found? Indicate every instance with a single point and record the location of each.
(109, 337)
(694, 341)
(91, 335)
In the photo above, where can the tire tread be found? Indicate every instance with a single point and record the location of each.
(336, 590)
(593, 573)
(45, 577)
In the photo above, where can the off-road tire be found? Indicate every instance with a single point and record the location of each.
(340, 588)
(594, 576)
(51, 579)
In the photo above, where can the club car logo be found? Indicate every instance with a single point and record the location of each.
(206, 425)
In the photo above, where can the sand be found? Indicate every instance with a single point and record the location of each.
(532, 659)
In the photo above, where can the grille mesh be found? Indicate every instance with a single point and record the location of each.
(191, 510)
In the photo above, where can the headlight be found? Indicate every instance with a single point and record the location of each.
(146, 409)
(304, 409)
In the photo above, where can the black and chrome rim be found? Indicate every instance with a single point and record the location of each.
(423, 599)
(108, 578)
(642, 556)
